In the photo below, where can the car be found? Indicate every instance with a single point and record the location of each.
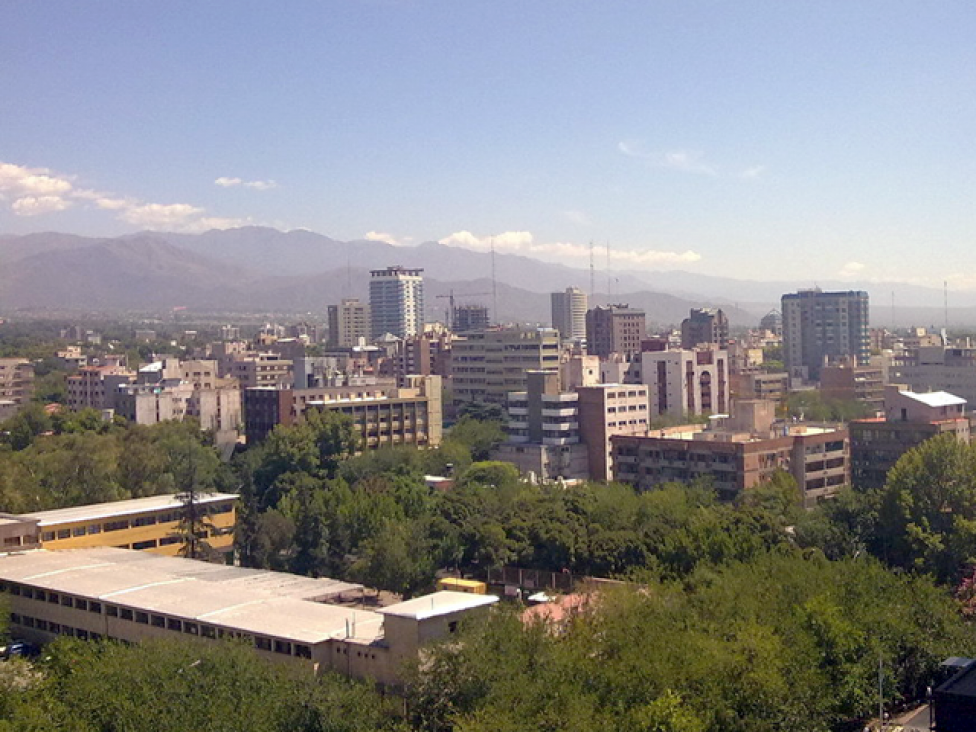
(18, 647)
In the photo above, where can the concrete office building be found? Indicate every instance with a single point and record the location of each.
(685, 382)
(544, 430)
(396, 301)
(569, 314)
(820, 325)
(133, 596)
(909, 419)
(738, 455)
(487, 365)
(705, 326)
(263, 369)
(614, 329)
(760, 385)
(381, 414)
(349, 323)
(96, 387)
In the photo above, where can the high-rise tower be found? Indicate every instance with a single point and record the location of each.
(396, 300)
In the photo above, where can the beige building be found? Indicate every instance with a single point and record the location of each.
(569, 313)
(487, 365)
(606, 410)
(16, 382)
(381, 414)
(349, 323)
(133, 596)
(683, 382)
(850, 381)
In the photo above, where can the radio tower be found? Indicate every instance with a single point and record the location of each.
(494, 284)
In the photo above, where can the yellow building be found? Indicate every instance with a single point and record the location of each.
(149, 524)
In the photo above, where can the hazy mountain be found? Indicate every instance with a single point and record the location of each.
(261, 269)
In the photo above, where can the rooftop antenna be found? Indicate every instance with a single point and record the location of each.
(494, 283)
(592, 273)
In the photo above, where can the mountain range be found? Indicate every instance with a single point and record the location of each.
(263, 270)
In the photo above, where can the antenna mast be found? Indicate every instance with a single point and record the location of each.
(494, 283)
(592, 273)
(945, 303)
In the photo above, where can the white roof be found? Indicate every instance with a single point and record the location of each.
(247, 600)
(444, 602)
(935, 398)
(112, 509)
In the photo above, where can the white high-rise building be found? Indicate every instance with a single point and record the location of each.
(569, 313)
(396, 300)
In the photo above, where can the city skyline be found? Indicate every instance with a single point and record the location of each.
(810, 141)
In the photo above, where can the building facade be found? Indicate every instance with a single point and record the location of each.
(396, 301)
(705, 326)
(487, 365)
(683, 382)
(16, 382)
(936, 368)
(569, 313)
(614, 329)
(350, 323)
(606, 410)
(820, 325)
(466, 318)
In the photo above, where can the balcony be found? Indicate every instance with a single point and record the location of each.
(563, 412)
(518, 411)
(560, 441)
(518, 424)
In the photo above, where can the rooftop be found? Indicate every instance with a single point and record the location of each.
(935, 398)
(247, 600)
(439, 603)
(96, 511)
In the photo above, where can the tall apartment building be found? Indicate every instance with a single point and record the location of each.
(544, 430)
(705, 326)
(382, 415)
(396, 301)
(910, 419)
(487, 365)
(16, 384)
(569, 313)
(614, 329)
(820, 325)
(423, 355)
(738, 458)
(936, 368)
(349, 321)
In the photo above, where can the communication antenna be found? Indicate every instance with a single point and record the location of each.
(494, 283)
(945, 302)
(592, 273)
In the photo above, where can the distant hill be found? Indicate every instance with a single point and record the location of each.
(256, 269)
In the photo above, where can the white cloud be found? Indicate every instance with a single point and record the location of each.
(37, 191)
(257, 185)
(36, 205)
(522, 242)
(685, 161)
(397, 241)
(851, 270)
(754, 172)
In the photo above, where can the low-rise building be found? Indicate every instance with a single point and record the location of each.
(263, 369)
(606, 410)
(145, 524)
(133, 596)
(910, 419)
(736, 458)
(849, 380)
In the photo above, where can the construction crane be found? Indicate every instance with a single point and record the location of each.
(449, 315)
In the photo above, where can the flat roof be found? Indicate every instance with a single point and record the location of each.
(253, 601)
(935, 398)
(439, 603)
(96, 511)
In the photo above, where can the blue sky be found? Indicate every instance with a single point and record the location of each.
(753, 139)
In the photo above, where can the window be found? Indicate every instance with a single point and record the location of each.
(95, 607)
(126, 614)
(81, 604)
(303, 651)
(112, 611)
(142, 618)
(54, 627)
(64, 533)
(208, 631)
(173, 624)
(169, 540)
(282, 647)
(95, 529)
(144, 521)
(66, 600)
(158, 621)
(262, 643)
(47, 536)
(116, 525)
(78, 531)
(191, 628)
(149, 544)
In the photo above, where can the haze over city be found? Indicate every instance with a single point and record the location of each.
(802, 141)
